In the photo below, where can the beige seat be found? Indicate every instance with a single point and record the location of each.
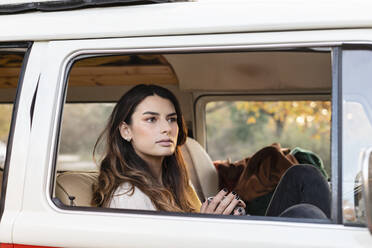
(201, 169)
(75, 188)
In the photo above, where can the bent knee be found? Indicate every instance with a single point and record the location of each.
(304, 210)
(303, 169)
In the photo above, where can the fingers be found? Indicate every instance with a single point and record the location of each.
(204, 206)
(232, 204)
(215, 202)
(223, 203)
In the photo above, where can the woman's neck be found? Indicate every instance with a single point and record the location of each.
(155, 166)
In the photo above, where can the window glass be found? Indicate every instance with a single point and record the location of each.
(234, 130)
(94, 86)
(263, 137)
(5, 118)
(248, 126)
(81, 125)
(10, 68)
(356, 130)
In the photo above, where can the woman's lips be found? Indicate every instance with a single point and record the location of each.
(165, 142)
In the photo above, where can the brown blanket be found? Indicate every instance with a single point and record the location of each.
(229, 173)
(257, 175)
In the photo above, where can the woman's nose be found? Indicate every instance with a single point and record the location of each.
(165, 126)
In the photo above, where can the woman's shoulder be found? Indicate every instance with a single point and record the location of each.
(128, 197)
(124, 188)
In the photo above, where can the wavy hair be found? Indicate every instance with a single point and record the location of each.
(121, 164)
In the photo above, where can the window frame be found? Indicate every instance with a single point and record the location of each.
(86, 53)
(200, 123)
(13, 47)
(336, 137)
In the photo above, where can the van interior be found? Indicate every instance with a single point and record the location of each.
(234, 104)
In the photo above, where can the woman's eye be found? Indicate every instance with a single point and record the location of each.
(172, 119)
(151, 119)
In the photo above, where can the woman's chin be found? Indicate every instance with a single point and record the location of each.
(166, 152)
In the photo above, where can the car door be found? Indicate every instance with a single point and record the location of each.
(43, 222)
(19, 72)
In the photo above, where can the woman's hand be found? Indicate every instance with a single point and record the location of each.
(223, 203)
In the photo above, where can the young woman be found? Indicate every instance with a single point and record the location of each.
(143, 168)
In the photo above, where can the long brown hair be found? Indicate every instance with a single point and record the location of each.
(121, 164)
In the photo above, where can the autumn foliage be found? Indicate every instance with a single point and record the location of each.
(236, 129)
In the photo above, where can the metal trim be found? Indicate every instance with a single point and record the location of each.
(59, 5)
(263, 219)
(14, 45)
(336, 136)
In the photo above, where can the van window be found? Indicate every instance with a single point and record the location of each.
(248, 126)
(239, 131)
(10, 69)
(297, 116)
(94, 86)
(357, 129)
(86, 121)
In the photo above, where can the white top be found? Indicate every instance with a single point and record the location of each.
(122, 198)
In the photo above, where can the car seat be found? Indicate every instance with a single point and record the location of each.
(74, 188)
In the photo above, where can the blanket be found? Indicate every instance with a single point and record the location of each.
(258, 175)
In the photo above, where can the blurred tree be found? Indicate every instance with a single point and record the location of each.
(239, 129)
(81, 125)
(305, 113)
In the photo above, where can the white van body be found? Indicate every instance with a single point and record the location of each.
(30, 217)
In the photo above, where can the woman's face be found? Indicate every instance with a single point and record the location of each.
(153, 130)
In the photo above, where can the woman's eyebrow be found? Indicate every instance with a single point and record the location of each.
(150, 113)
(155, 113)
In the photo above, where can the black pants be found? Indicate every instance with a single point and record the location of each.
(302, 192)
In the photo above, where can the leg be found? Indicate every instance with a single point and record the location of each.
(300, 184)
(303, 210)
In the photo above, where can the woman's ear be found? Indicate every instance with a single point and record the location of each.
(125, 131)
